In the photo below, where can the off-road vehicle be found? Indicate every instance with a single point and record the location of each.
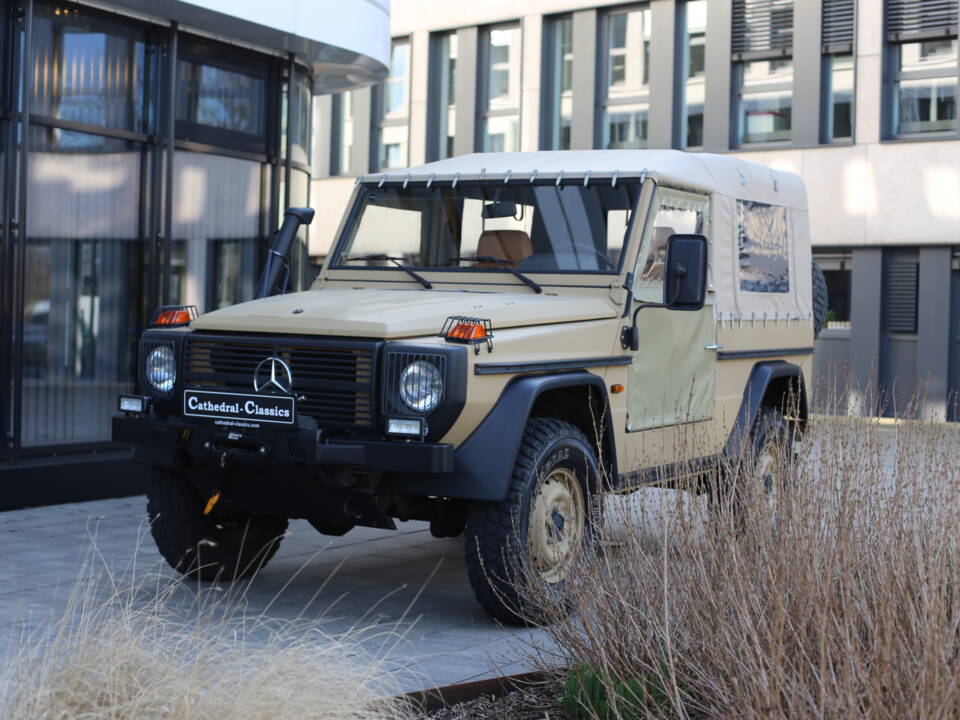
(494, 341)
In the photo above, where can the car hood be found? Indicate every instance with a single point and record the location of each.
(390, 314)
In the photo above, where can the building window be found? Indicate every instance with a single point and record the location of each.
(341, 161)
(762, 47)
(838, 19)
(394, 106)
(501, 109)
(922, 63)
(558, 83)
(838, 272)
(693, 79)
(626, 39)
(443, 94)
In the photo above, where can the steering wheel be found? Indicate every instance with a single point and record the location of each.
(610, 263)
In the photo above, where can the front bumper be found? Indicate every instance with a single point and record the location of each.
(172, 442)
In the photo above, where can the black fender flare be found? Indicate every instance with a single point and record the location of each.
(483, 464)
(763, 375)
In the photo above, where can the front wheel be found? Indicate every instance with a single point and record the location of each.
(218, 546)
(521, 551)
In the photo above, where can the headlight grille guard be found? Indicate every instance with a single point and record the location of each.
(392, 404)
(148, 341)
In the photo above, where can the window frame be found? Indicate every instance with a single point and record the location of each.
(894, 76)
(484, 113)
(603, 100)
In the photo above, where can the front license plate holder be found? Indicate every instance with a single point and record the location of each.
(241, 407)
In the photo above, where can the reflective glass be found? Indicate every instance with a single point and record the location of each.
(83, 281)
(393, 146)
(501, 133)
(839, 97)
(503, 68)
(561, 83)
(625, 127)
(88, 70)
(694, 85)
(396, 86)
(221, 98)
(345, 151)
(628, 53)
(766, 100)
(446, 85)
(301, 130)
(216, 221)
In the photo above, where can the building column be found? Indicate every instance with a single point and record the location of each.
(663, 54)
(866, 296)
(465, 92)
(584, 81)
(807, 65)
(419, 92)
(363, 131)
(933, 330)
(868, 86)
(531, 64)
(716, 107)
(321, 157)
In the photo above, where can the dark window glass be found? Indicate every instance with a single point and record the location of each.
(766, 100)
(762, 244)
(838, 93)
(83, 281)
(925, 91)
(838, 297)
(300, 127)
(87, 69)
(220, 98)
(559, 84)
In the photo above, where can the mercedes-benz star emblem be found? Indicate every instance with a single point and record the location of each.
(273, 372)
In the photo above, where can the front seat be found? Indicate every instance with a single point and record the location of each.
(510, 245)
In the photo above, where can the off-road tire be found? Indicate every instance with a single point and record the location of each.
(498, 562)
(207, 547)
(819, 298)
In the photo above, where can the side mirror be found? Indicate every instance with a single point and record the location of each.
(685, 272)
(499, 209)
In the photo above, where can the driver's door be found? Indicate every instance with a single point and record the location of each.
(671, 379)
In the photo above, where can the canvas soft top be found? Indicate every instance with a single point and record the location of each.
(721, 174)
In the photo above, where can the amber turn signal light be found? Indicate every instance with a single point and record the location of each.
(468, 330)
(174, 315)
(618, 388)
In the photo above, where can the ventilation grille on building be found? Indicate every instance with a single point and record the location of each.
(762, 27)
(837, 25)
(902, 297)
(908, 19)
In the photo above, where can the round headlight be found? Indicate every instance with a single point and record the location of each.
(421, 386)
(161, 368)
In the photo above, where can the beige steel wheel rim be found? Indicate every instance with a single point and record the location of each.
(767, 474)
(557, 525)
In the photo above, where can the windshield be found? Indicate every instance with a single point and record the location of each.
(531, 228)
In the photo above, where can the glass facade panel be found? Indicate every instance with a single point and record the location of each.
(766, 100)
(626, 79)
(88, 70)
(694, 73)
(501, 121)
(301, 118)
(344, 159)
(216, 220)
(445, 84)
(560, 84)
(838, 94)
(83, 285)
(926, 89)
(220, 98)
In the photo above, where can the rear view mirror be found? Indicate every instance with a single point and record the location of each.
(499, 209)
(685, 272)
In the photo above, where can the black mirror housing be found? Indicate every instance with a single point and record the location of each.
(499, 209)
(685, 272)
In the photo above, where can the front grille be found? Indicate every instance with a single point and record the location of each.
(335, 377)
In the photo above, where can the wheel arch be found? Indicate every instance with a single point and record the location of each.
(483, 464)
(774, 383)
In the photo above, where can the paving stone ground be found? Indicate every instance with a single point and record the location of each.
(407, 590)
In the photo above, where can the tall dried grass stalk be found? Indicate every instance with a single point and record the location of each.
(149, 647)
(836, 596)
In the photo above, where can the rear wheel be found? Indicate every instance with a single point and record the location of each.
(521, 551)
(819, 299)
(218, 546)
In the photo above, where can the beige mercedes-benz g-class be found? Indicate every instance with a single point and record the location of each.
(494, 340)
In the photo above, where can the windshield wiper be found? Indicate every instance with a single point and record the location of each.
(503, 264)
(396, 261)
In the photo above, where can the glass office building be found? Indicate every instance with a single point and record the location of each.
(143, 161)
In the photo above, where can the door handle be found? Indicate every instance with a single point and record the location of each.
(714, 346)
